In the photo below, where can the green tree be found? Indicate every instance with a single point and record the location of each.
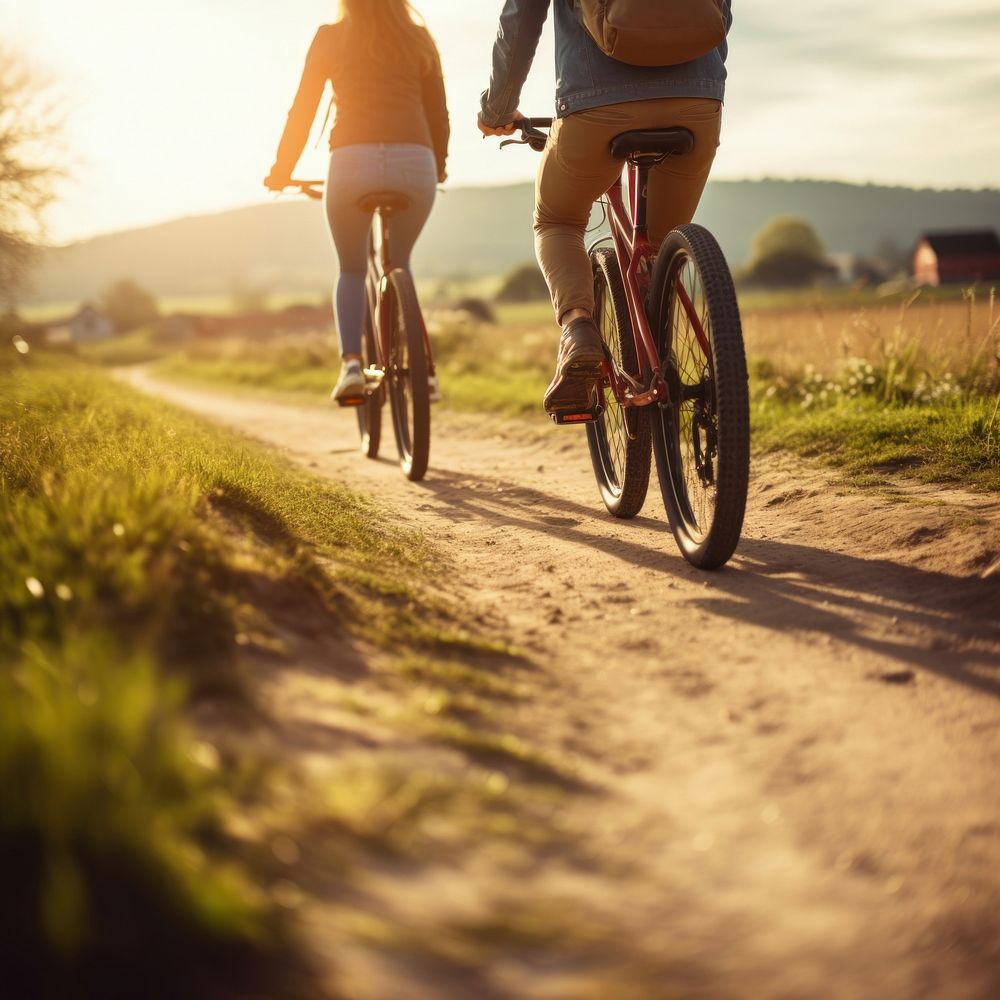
(523, 284)
(128, 305)
(28, 125)
(787, 251)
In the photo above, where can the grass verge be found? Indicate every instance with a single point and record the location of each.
(957, 441)
(148, 561)
(912, 407)
(119, 869)
(136, 544)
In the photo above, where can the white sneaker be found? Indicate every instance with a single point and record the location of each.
(350, 387)
(434, 389)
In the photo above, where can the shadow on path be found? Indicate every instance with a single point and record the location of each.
(920, 618)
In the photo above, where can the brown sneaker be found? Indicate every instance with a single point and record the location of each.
(578, 369)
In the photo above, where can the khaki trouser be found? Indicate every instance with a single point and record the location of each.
(577, 168)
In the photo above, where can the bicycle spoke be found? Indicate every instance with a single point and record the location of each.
(619, 439)
(695, 417)
(614, 418)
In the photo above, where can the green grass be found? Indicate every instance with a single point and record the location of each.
(518, 393)
(111, 828)
(133, 538)
(111, 832)
(954, 441)
(135, 348)
(901, 410)
(137, 547)
(310, 382)
(219, 304)
(922, 395)
(128, 502)
(502, 368)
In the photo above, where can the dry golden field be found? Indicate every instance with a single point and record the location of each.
(944, 336)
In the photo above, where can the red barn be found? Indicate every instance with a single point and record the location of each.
(966, 255)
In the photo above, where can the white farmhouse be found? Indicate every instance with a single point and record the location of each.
(84, 326)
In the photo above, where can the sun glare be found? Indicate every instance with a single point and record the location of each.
(176, 108)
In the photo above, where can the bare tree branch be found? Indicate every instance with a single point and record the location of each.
(29, 124)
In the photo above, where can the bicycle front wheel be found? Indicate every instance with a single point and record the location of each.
(619, 439)
(370, 412)
(406, 375)
(701, 434)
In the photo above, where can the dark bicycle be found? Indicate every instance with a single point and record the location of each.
(675, 375)
(396, 350)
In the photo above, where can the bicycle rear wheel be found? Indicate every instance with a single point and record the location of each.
(370, 412)
(701, 435)
(620, 439)
(406, 375)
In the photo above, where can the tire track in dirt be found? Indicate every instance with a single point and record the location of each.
(797, 755)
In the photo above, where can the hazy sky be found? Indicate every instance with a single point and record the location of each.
(175, 107)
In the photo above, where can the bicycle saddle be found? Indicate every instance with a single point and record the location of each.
(652, 142)
(387, 200)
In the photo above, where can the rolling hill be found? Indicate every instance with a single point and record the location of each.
(475, 231)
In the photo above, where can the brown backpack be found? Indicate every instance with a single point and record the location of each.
(654, 32)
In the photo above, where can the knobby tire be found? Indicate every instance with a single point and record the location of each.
(620, 438)
(406, 374)
(701, 438)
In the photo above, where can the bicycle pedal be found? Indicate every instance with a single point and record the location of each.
(582, 417)
(352, 401)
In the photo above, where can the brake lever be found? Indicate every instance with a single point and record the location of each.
(536, 142)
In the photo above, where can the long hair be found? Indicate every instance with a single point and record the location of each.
(390, 29)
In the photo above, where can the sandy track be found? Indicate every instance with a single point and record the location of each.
(797, 756)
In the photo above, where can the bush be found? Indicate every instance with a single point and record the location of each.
(523, 284)
(476, 308)
(787, 269)
(129, 306)
(787, 252)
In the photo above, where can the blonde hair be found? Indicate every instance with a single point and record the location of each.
(392, 29)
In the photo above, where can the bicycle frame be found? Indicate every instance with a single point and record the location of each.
(635, 252)
(379, 266)
(630, 236)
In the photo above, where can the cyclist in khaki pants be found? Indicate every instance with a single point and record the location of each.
(597, 97)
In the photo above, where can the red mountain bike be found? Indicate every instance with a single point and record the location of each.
(396, 350)
(675, 375)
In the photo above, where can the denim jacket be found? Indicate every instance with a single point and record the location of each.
(585, 76)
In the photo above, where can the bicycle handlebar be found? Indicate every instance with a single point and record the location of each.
(530, 133)
(308, 188)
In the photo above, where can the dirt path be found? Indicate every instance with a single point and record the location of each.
(796, 757)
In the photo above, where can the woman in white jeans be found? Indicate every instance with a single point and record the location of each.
(390, 134)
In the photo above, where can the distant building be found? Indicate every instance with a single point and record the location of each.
(87, 325)
(962, 255)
